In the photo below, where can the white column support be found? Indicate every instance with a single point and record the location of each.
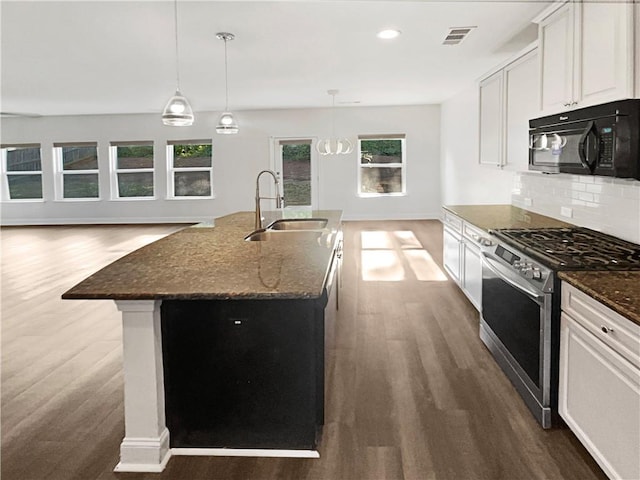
(145, 447)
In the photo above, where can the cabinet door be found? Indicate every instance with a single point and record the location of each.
(604, 38)
(599, 398)
(521, 83)
(473, 274)
(556, 60)
(491, 120)
(451, 254)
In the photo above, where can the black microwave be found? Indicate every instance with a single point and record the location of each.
(597, 140)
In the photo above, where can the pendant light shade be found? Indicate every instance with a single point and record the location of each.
(227, 124)
(178, 112)
(334, 145)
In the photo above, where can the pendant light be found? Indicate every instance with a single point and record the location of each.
(178, 112)
(334, 145)
(226, 124)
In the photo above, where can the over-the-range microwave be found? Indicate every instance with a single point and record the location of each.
(598, 140)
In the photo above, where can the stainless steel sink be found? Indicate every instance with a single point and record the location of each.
(298, 224)
(283, 235)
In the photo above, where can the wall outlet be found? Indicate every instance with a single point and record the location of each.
(527, 202)
(566, 212)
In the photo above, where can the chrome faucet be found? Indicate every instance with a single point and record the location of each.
(278, 198)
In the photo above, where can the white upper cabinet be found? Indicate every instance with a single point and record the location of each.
(508, 100)
(491, 119)
(521, 105)
(586, 54)
(555, 34)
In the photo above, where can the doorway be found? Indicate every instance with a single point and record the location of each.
(295, 164)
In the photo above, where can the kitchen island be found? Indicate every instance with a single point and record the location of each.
(224, 339)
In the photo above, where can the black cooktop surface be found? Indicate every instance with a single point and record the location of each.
(574, 248)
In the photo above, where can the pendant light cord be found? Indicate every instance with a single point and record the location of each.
(226, 78)
(175, 18)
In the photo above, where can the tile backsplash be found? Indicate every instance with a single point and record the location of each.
(609, 205)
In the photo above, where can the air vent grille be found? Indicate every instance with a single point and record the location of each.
(456, 35)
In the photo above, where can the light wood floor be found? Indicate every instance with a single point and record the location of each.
(412, 392)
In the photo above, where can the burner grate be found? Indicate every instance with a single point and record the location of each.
(574, 248)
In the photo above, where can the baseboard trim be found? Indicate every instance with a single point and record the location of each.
(245, 452)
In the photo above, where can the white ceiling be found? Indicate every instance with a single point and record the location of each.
(90, 57)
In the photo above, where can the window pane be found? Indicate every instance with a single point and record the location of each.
(296, 166)
(381, 180)
(135, 184)
(79, 158)
(191, 156)
(24, 160)
(192, 184)
(81, 185)
(135, 157)
(25, 186)
(380, 151)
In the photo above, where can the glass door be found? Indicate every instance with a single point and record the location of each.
(295, 165)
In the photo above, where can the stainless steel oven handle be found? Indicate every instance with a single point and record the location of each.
(505, 275)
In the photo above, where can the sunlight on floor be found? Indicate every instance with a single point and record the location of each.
(381, 266)
(393, 256)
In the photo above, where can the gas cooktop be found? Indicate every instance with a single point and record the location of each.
(576, 248)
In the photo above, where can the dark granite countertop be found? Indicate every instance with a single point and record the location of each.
(489, 217)
(215, 262)
(620, 291)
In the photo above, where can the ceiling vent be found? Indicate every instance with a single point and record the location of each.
(456, 35)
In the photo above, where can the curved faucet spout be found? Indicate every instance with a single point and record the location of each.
(278, 198)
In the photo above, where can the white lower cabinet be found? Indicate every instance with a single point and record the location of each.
(461, 254)
(451, 253)
(599, 391)
(472, 274)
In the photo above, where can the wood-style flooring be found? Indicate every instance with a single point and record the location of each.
(412, 393)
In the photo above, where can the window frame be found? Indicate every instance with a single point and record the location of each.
(60, 172)
(172, 170)
(6, 173)
(402, 165)
(115, 171)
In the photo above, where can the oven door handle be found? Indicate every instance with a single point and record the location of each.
(505, 275)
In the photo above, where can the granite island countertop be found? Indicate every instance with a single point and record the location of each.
(488, 217)
(620, 291)
(207, 262)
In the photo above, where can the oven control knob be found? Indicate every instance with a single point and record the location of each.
(537, 274)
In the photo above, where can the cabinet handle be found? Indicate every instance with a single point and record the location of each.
(606, 329)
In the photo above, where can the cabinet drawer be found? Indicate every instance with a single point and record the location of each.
(473, 233)
(452, 221)
(613, 329)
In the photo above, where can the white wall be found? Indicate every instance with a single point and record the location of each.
(464, 180)
(237, 160)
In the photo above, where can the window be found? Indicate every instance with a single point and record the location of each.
(132, 169)
(77, 167)
(382, 160)
(22, 167)
(190, 168)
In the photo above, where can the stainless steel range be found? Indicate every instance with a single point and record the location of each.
(520, 321)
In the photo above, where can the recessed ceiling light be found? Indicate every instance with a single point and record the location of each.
(388, 34)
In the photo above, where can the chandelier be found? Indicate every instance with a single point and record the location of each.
(334, 145)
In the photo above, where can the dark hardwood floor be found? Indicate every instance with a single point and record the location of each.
(412, 393)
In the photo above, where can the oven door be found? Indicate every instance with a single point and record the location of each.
(516, 327)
